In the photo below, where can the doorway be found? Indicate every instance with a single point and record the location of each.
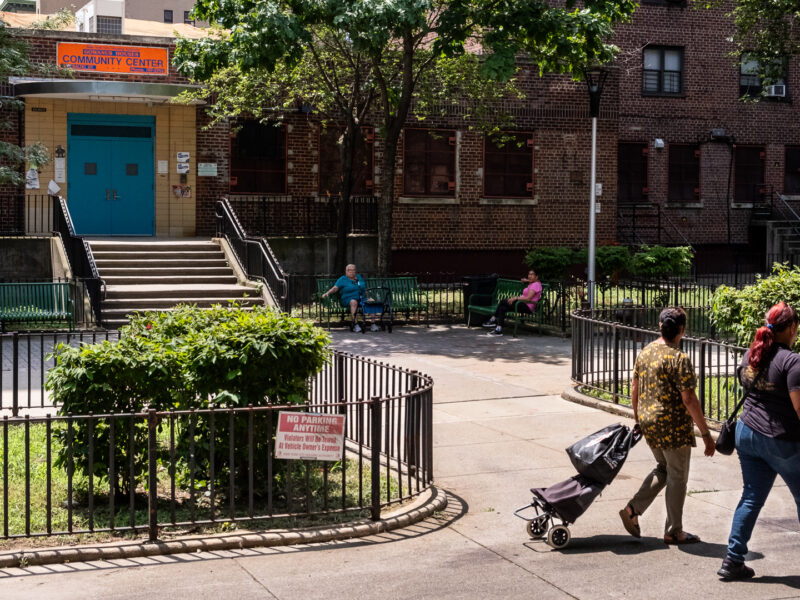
(111, 174)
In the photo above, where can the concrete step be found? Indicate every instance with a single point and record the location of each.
(116, 319)
(107, 265)
(131, 246)
(166, 255)
(175, 291)
(169, 279)
(160, 271)
(126, 305)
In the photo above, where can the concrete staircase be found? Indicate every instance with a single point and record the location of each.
(152, 275)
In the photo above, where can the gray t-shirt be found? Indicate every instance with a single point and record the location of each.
(767, 407)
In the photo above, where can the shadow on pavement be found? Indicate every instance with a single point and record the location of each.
(625, 545)
(455, 510)
(456, 341)
(792, 581)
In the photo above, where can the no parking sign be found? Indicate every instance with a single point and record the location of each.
(309, 436)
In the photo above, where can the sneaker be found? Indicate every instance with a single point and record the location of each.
(374, 327)
(490, 323)
(495, 331)
(732, 571)
(356, 328)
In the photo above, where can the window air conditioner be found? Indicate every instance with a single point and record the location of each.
(776, 91)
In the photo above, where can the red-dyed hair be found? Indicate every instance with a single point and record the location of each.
(779, 317)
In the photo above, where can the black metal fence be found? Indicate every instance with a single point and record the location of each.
(255, 255)
(446, 298)
(25, 360)
(27, 214)
(309, 215)
(138, 472)
(79, 254)
(603, 356)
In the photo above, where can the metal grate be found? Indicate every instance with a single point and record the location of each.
(111, 25)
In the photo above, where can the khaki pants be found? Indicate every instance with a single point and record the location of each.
(672, 472)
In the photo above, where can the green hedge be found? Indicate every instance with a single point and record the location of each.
(739, 313)
(183, 359)
(554, 263)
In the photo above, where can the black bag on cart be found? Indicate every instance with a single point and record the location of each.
(601, 455)
(570, 498)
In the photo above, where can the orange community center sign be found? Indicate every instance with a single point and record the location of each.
(99, 58)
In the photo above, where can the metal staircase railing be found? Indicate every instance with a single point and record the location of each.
(79, 254)
(255, 255)
(633, 221)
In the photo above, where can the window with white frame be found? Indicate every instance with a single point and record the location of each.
(662, 71)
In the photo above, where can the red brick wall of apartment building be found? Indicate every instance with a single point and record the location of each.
(213, 146)
(10, 207)
(711, 101)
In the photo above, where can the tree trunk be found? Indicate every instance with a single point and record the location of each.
(386, 203)
(346, 152)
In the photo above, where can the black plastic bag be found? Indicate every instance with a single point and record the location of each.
(601, 455)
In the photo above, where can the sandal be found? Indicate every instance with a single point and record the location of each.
(628, 515)
(672, 539)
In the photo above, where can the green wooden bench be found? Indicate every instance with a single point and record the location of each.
(407, 297)
(36, 302)
(486, 304)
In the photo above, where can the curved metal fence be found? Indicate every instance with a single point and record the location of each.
(144, 472)
(604, 352)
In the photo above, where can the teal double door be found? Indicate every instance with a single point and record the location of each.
(111, 174)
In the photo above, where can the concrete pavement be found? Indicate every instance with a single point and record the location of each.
(500, 428)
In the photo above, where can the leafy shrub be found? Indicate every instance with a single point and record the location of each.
(550, 262)
(738, 313)
(183, 359)
(662, 261)
(609, 261)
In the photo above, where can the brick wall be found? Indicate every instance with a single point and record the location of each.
(711, 101)
(556, 114)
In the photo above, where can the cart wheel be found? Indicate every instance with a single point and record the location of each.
(558, 537)
(537, 527)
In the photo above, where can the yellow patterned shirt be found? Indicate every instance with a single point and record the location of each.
(663, 373)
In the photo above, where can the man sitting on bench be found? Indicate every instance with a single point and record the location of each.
(527, 303)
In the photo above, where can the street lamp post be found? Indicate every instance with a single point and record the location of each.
(595, 80)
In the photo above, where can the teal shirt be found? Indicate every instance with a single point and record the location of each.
(349, 289)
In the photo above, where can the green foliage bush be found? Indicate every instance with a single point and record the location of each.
(550, 262)
(183, 359)
(662, 261)
(739, 313)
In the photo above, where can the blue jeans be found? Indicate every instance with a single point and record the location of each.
(762, 458)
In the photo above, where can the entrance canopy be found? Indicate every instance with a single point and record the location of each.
(101, 91)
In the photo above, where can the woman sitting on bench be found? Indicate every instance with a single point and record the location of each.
(351, 289)
(527, 303)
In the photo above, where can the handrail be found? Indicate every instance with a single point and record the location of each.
(658, 227)
(255, 256)
(678, 231)
(79, 254)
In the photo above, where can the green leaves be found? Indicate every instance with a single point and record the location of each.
(739, 313)
(183, 359)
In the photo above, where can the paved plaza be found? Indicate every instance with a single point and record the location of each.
(500, 428)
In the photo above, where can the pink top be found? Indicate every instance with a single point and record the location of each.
(536, 286)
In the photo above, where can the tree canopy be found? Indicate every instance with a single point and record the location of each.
(397, 47)
(14, 61)
(767, 31)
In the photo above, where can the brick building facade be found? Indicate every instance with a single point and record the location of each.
(470, 205)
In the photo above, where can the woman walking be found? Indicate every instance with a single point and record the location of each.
(768, 432)
(664, 406)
